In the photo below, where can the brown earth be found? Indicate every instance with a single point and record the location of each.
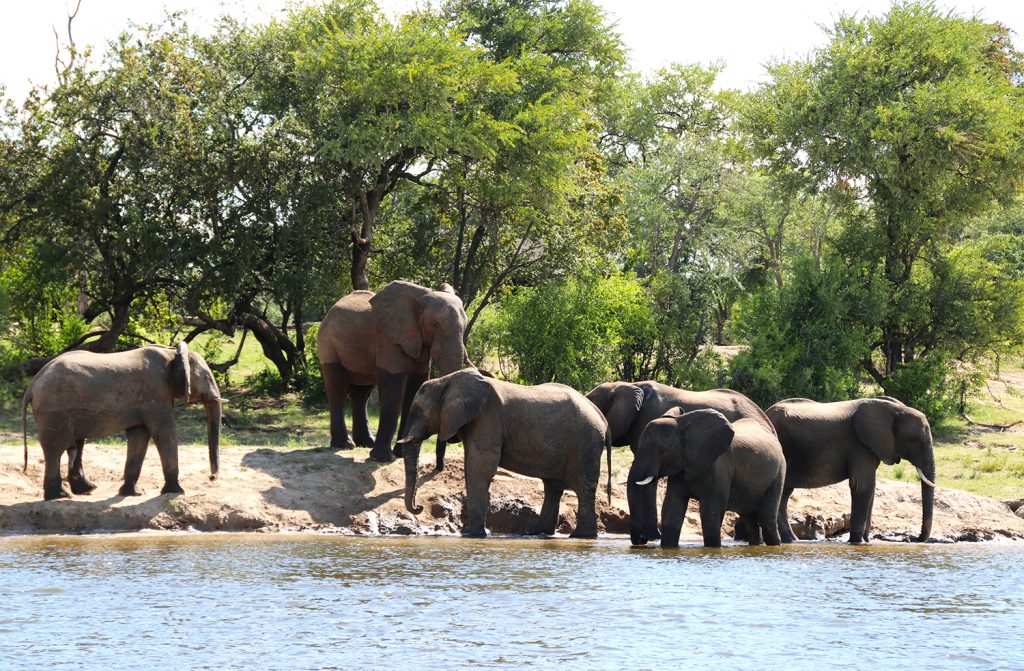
(263, 489)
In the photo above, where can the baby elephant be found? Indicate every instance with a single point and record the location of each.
(549, 431)
(738, 467)
(81, 395)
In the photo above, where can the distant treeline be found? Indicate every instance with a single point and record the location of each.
(853, 221)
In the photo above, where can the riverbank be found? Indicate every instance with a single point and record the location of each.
(341, 491)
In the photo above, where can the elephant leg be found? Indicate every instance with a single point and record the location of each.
(549, 510)
(586, 511)
(138, 443)
(392, 388)
(76, 474)
(167, 448)
(673, 512)
(53, 486)
(481, 465)
(711, 515)
(439, 450)
(361, 434)
(862, 493)
(785, 530)
(768, 513)
(750, 523)
(412, 384)
(336, 385)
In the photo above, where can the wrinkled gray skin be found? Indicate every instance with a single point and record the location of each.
(738, 467)
(82, 395)
(630, 406)
(826, 443)
(387, 339)
(548, 431)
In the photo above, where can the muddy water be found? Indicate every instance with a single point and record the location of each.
(316, 602)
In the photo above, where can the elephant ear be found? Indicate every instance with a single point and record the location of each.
(397, 308)
(627, 399)
(874, 423)
(183, 368)
(705, 435)
(461, 401)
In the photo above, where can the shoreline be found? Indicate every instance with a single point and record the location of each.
(339, 492)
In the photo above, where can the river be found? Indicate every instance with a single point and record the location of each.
(256, 601)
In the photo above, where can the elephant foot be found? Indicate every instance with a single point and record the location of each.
(54, 493)
(397, 451)
(129, 490)
(385, 456)
(172, 488)
(586, 533)
(474, 533)
(652, 534)
(81, 486)
(541, 530)
(363, 441)
(346, 444)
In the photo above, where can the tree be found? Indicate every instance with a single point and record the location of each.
(915, 120)
(385, 103)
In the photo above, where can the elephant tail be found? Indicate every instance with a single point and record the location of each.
(608, 451)
(25, 400)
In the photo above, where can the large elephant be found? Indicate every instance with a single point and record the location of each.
(387, 339)
(826, 443)
(548, 431)
(738, 467)
(83, 395)
(630, 406)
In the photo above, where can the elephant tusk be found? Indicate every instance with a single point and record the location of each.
(645, 481)
(925, 480)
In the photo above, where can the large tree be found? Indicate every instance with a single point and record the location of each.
(916, 119)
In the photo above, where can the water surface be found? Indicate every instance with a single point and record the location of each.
(234, 601)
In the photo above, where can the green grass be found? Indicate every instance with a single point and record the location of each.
(975, 458)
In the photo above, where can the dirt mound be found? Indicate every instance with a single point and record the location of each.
(263, 489)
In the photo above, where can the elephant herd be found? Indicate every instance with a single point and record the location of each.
(717, 447)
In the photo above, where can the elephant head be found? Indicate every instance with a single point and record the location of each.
(894, 431)
(678, 442)
(443, 406)
(193, 381)
(620, 403)
(421, 321)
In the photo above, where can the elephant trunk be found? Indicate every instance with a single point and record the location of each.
(411, 454)
(450, 357)
(213, 434)
(643, 511)
(927, 472)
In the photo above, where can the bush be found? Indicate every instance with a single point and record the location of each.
(574, 331)
(806, 339)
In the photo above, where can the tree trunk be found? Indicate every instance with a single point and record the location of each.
(276, 345)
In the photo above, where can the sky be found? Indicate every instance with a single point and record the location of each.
(744, 35)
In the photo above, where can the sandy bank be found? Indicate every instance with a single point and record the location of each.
(340, 491)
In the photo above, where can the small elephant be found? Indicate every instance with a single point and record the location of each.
(738, 467)
(548, 431)
(387, 339)
(81, 395)
(629, 406)
(826, 443)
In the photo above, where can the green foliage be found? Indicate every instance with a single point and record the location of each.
(313, 391)
(574, 331)
(807, 338)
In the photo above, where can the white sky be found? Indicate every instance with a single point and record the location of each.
(744, 34)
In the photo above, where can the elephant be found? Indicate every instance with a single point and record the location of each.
(629, 406)
(387, 339)
(549, 431)
(738, 467)
(826, 443)
(81, 395)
